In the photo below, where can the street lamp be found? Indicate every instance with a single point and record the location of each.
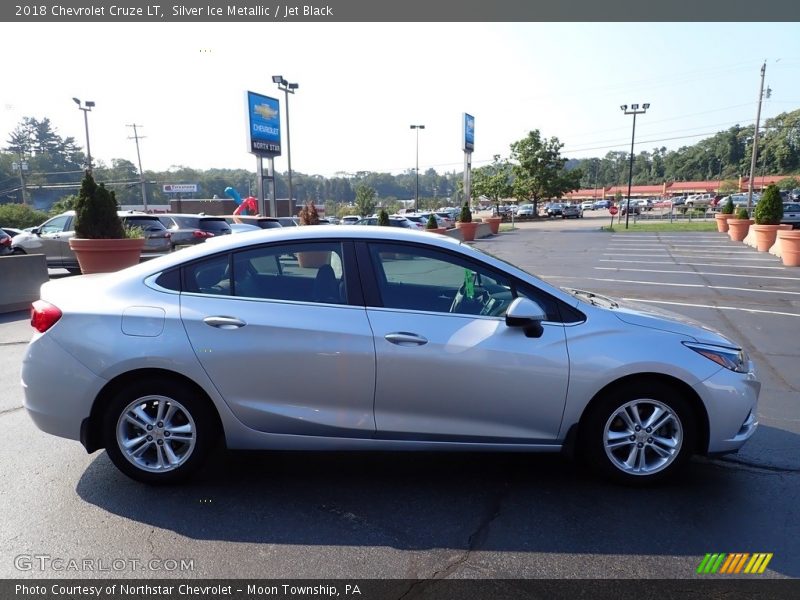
(86, 108)
(287, 88)
(416, 192)
(634, 110)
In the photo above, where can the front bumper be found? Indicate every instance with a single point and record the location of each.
(731, 401)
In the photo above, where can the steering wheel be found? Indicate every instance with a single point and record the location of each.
(476, 305)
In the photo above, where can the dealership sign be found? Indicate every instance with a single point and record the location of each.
(468, 133)
(180, 188)
(263, 125)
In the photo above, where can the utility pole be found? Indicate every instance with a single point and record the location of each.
(23, 166)
(755, 142)
(139, 156)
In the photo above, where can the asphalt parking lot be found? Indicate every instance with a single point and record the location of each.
(461, 516)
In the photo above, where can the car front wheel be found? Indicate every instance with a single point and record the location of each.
(158, 431)
(639, 434)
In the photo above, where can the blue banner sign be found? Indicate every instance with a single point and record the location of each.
(263, 125)
(468, 131)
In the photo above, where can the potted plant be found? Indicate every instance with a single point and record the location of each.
(725, 213)
(383, 218)
(308, 215)
(768, 215)
(494, 222)
(465, 224)
(739, 225)
(789, 240)
(433, 225)
(101, 243)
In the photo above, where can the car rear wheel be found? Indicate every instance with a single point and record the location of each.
(639, 434)
(158, 431)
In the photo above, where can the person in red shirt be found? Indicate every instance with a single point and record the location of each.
(248, 207)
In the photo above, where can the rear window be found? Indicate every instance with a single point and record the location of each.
(217, 226)
(146, 223)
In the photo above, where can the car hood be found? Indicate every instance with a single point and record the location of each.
(635, 313)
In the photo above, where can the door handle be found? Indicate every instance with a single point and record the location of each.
(224, 322)
(402, 338)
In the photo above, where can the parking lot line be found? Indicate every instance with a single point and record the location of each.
(697, 273)
(677, 263)
(737, 308)
(694, 285)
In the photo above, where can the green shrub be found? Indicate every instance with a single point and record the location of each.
(383, 218)
(432, 222)
(96, 212)
(21, 216)
(466, 214)
(727, 208)
(741, 213)
(769, 210)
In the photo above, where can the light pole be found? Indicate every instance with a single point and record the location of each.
(633, 111)
(86, 108)
(287, 88)
(416, 192)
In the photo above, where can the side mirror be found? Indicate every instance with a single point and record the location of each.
(526, 314)
(36, 231)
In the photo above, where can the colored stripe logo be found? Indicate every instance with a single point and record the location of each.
(736, 563)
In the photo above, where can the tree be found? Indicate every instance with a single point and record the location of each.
(365, 200)
(539, 169)
(493, 181)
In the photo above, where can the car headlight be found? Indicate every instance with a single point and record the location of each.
(734, 359)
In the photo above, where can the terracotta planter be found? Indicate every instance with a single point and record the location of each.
(722, 221)
(436, 230)
(467, 230)
(313, 259)
(738, 228)
(790, 247)
(494, 223)
(776, 247)
(765, 236)
(106, 256)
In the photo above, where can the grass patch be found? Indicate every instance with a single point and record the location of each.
(507, 227)
(644, 226)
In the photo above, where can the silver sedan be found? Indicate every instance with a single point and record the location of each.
(302, 338)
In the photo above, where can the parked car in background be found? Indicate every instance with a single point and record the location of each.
(12, 231)
(699, 200)
(525, 212)
(241, 228)
(260, 222)
(555, 209)
(417, 223)
(125, 362)
(601, 204)
(5, 243)
(288, 221)
(587, 205)
(571, 211)
(350, 220)
(635, 208)
(187, 229)
(447, 217)
(393, 222)
(51, 238)
(791, 214)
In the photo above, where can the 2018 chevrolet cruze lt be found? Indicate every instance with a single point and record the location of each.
(302, 338)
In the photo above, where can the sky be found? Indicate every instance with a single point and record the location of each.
(361, 85)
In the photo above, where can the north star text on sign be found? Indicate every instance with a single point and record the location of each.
(307, 11)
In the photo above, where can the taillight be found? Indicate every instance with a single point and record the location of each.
(5, 240)
(44, 315)
(198, 233)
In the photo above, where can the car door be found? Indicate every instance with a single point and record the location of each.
(473, 378)
(288, 347)
(54, 237)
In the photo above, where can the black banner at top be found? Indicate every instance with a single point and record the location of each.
(278, 11)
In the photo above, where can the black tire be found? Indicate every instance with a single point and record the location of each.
(18, 251)
(605, 421)
(188, 432)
